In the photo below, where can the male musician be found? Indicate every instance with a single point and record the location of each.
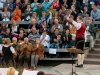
(79, 37)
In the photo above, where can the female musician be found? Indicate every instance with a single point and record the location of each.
(7, 52)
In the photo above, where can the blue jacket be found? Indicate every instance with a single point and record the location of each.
(95, 1)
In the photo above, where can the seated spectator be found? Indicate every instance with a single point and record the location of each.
(8, 34)
(56, 4)
(8, 51)
(6, 15)
(43, 26)
(62, 12)
(77, 5)
(83, 12)
(28, 13)
(88, 5)
(17, 14)
(25, 54)
(33, 35)
(73, 41)
(50, 14)
(43, 17)
(95, 14)
(14, 29)
(39, 11)
(46, 4)
(24, 5)
(65, 3)
(34, 16)
(3, 30)
(37, 53)
(9, 6)
(34, 24)
(89, 33)
(18, 3)
(65, 22)
(87, 17)
(40, 73)
(57, 16)
(67, 39)
(21, 34)
(34, 5)
(45, 39)
(56, 25)
(73, 12)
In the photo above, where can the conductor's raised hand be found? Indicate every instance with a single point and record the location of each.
(70, 19)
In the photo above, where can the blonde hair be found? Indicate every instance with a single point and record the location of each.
(3, 40)
(7, 41)
(80, 18)
(11, 71)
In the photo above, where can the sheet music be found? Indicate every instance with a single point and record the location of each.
(3, 71)
(52, 51)
(29, 72)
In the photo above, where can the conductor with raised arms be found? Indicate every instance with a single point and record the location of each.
(79, 37)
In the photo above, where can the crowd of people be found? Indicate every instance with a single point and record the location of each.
(49, 27)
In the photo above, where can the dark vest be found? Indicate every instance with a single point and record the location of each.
(81, 31)
(6, 51)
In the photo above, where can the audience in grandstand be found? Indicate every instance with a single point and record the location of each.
(48, 26)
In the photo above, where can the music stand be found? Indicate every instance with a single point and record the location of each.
(74, 50)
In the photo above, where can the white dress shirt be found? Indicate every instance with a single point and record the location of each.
(47, 37)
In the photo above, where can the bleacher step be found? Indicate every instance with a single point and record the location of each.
(93, 56)
(97, 41)
(93, 61)
(60, 59)
(97, 46)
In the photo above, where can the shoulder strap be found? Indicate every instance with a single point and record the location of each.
(5, 49)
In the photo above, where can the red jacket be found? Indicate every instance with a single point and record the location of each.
(56, 5)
